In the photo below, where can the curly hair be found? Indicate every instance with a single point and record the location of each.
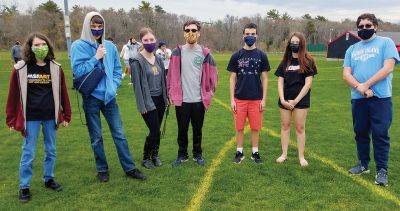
(368, 16)
(29, 56)
(190, 22)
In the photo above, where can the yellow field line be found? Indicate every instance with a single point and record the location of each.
(222, 103)
(380, 191)
(199, 196)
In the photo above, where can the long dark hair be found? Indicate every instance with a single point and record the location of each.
(306, 62)
(29, 56)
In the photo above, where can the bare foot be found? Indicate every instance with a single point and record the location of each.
(281, 159)
(303, 162)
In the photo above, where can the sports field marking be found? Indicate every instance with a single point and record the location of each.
(205, 183)
(380, 191)
(316, 79)
(199, 196)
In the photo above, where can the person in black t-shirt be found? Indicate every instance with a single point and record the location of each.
(38, 98)
(295, 73)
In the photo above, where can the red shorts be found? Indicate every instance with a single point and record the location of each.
(251, 110)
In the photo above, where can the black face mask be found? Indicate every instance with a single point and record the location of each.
(294, 47)
(365, 34)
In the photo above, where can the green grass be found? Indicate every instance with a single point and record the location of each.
(234, 187)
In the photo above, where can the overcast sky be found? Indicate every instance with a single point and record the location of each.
(206, 10)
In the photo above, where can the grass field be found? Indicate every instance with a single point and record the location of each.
(220, 184)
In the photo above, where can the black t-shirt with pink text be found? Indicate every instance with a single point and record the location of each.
(294, 81)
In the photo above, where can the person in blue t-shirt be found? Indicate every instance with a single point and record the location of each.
(248, 90)
(367, 68)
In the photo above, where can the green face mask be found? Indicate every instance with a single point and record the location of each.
(40, 52)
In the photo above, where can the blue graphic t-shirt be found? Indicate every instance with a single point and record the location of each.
(248, 65)
(367, 58)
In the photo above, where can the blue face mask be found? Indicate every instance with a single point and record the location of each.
(250, 40)
(97, 33)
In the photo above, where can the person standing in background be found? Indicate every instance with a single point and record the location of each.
(16, 52)
(165, 54)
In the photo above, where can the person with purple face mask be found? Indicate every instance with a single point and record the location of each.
(248, 69)
(149, 84)
(368, 70)
(91, 51)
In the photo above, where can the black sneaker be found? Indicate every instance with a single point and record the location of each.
(24, 195)
(53, 185)
(358, 170)
(180, 160)
(135, 174)
(238, 157)
(147, 163)
(156, 161)
(199, 160)
(256, 157)
(381, 178)
(103, 176)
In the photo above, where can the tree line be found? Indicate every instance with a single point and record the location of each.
(220, 35)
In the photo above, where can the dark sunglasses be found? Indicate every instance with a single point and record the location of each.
(367, 26)
(188, 30)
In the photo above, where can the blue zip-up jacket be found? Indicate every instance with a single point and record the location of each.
(83, 60)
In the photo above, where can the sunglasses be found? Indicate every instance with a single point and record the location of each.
(367, 26)
(190, 30)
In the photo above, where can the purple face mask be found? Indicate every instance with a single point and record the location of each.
(149, 47)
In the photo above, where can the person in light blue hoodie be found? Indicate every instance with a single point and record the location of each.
(90, 51)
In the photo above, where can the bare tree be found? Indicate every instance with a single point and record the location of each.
(225, 34)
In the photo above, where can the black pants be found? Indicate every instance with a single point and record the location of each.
(153, 120)
(194, 113)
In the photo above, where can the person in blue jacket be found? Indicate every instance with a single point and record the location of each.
(90, 51)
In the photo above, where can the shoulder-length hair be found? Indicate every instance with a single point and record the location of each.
(29, 56)
(306, 62)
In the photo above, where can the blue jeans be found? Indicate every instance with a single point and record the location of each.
(92, 107)
(372, 116)
(29, 150)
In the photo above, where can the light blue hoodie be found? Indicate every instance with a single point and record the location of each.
(83, 60)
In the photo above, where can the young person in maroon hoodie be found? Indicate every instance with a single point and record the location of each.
(38, 97)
